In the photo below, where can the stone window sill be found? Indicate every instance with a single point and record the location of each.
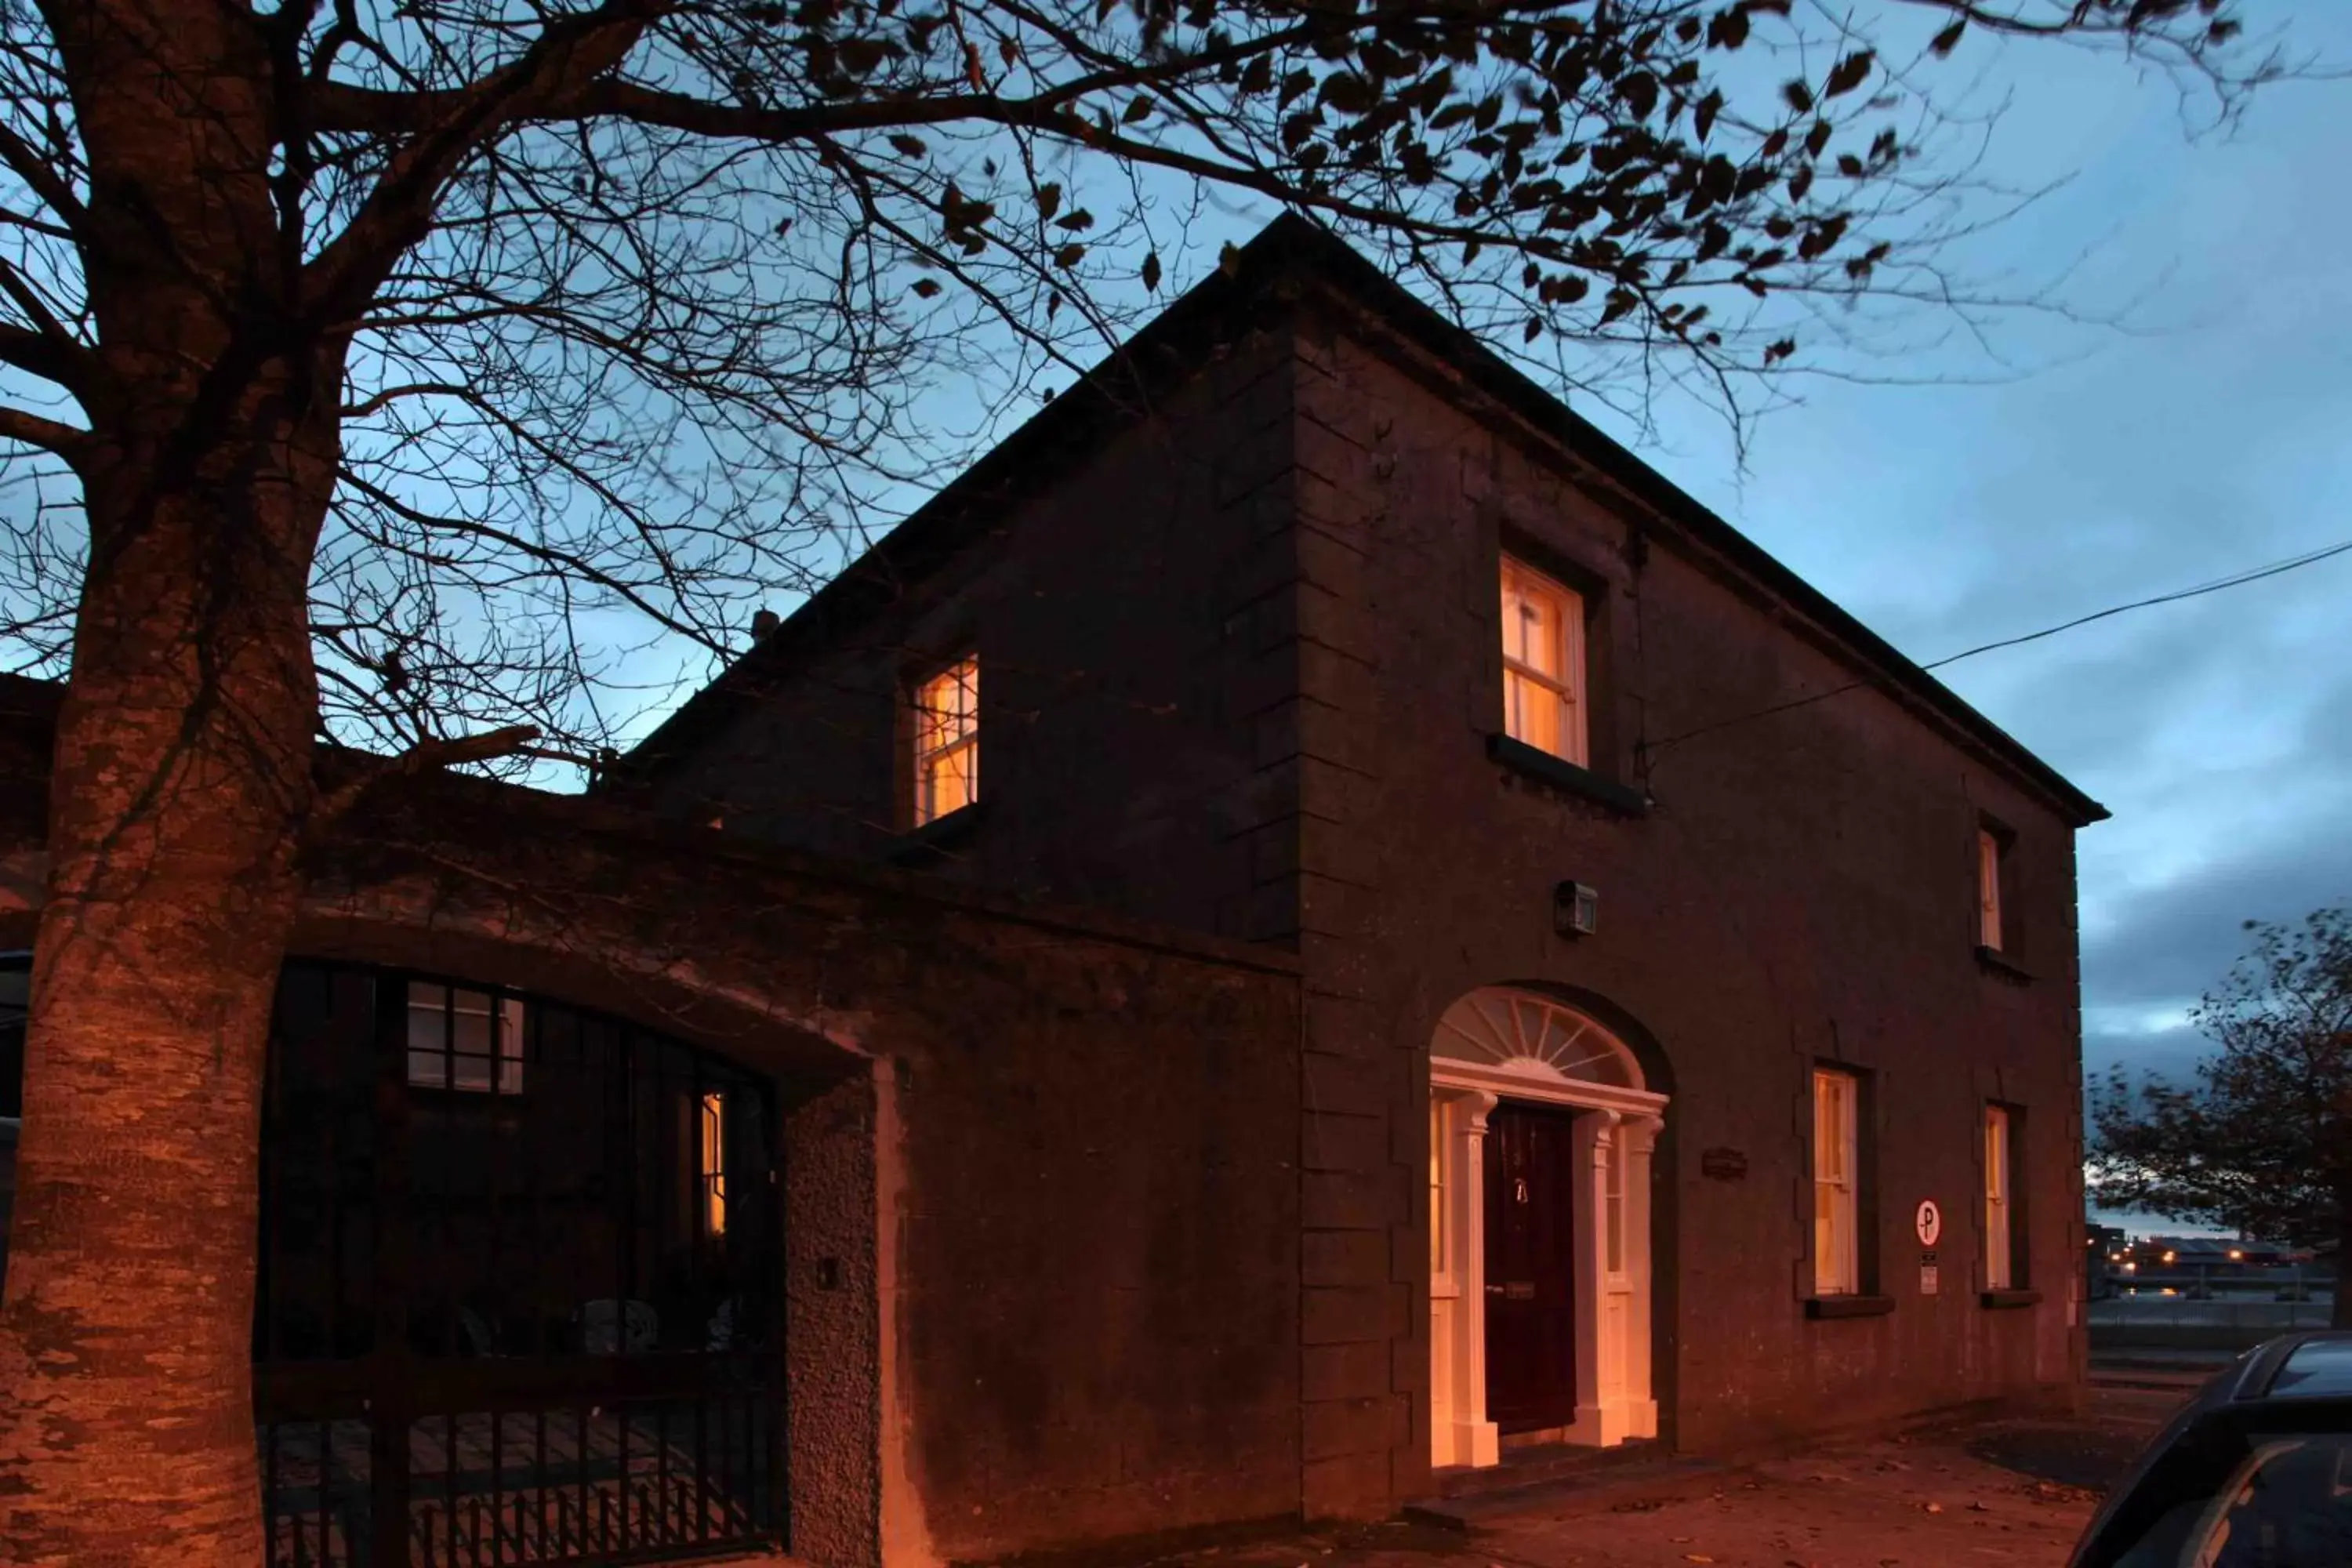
(1996, 1299)
(1995, 961)
(1562, 775)
(919, 847)
(1848, 1306)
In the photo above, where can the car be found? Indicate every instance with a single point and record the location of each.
(2254, 1472)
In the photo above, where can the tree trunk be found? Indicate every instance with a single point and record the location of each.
(181, 784)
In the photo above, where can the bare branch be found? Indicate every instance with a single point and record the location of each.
(49, 435)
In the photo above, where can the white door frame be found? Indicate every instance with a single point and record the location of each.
(1613, 1135)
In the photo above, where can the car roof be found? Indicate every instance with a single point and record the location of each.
(2312, 1365)
(2319, 1368)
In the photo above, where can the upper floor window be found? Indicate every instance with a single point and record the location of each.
(947, 741)
(464, 1040)
(1991, 920)
(1543, 663)
(1837, 1196)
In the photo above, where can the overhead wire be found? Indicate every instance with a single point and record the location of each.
(2234, 580)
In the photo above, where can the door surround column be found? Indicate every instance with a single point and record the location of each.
(1460, 1432)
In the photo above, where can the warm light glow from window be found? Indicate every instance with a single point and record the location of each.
(713, 1163)
(1613, 1202)
(947, 741)
(1436, 1190)
(1837, 1261)
(464, 1040)
(1989, 922)
(1543, 663)
(2000, 1267)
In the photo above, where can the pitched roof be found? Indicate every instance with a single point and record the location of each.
(1262, 282)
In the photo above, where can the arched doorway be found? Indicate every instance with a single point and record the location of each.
(518, 1294)
(1540, 1132)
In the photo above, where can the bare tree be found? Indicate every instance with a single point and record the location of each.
(372, 370)
(2263, 1141)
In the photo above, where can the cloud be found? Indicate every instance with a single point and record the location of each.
(2165, 946)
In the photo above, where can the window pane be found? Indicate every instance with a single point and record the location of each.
(946, 743)
(2000, 1249)
(1531, 628)
(1531, 712)
(455, 1042)
(1828, 1242)
(951, 782)
(1989, 919)
(1614, 1252)
(713, 1164)
(1436, 1188)
(1835, 1235)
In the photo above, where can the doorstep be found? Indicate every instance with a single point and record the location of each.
(1532, 1479)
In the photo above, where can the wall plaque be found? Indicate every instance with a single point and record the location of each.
(1723, 1164)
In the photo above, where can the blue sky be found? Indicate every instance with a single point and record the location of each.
(2074, 467)
(2083, 465)
(2208, 438)
(2080, 467)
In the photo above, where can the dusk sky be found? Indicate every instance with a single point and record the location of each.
(2209, 440)
(2113, 466)
(2107, 465)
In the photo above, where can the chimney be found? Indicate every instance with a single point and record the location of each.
(764, 622)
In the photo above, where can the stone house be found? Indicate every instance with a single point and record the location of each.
(1691, 1043)
(1308, 932)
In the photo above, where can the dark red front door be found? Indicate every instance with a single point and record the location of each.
(1530, 1271)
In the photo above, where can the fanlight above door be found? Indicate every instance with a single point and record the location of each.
(1521, 1032)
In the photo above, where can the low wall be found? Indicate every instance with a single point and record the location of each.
(2176, 1323)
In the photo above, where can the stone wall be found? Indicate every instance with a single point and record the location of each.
(1042, 1254)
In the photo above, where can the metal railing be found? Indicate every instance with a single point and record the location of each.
(518, 1301)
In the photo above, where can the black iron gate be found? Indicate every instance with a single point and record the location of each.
(518, 1294)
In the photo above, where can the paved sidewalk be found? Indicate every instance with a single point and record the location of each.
(2013, 1493)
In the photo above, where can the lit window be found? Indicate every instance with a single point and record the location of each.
(1614, 1195)
(1436, 1189)
(2000, 1229)
(1543, 663)
(464, 1040)
(947, 741)
(1989, 922)
(1837, 1252)
(713, 1163)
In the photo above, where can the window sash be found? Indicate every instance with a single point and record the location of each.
(947, 741)
(1837, 1254)
(1543, 663)
(466, 1041)
(711, 1163)
(1440, 1264)
(2001, 1272)
(1989, 916)
(1613, 1191)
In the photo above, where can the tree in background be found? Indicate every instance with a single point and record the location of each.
(2262, 1142)
(379, 371)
